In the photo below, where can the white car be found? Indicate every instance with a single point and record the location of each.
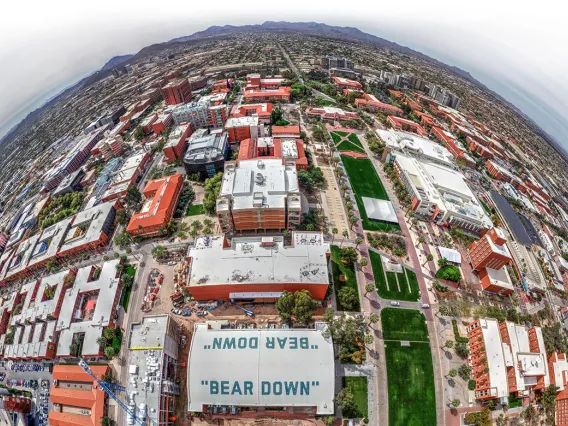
(394, 303)
(425, 306)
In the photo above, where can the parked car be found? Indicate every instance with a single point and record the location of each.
(395, 303)
(425, 306)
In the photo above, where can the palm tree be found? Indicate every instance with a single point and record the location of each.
(369, 287)
(208, 223)
(358, 241)
(364, 262)
(193, 233)
(429, 258)
(421, 240)
(334, 232)
(345, 234)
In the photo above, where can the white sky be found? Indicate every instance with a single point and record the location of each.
(516, 48)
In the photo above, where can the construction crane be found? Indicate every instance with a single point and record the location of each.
(108, 388)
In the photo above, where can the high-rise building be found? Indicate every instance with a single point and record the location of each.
(201, 114)
(490, 251)
(177, 92)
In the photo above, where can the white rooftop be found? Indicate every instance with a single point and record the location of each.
(500, 277)
(261, 368)
(248, 262)
(495, 358)
(380, 210)
(251, 120)
(452, 255)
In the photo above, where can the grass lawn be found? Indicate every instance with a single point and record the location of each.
(336, 138)
(195, 209)
(391, 280)
(366, 183)
(514, 402)
(125, 296)
(339, 268)
(353, 138)
(485, 207)
(411, 392)
(342, 134)
(404, 324)
(348, 146)
(358, 387)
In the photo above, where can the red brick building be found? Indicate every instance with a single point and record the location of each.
(345, 83)
(177, 92)
(164, 195)
(254, 81)
(332, 114)
(371, 103)
(406, 125)
(282, 94)
(241, 128)
(489, 251)
(497, 171)
(452, 145)
(163, 121)
(265, 148)
(286, 131)
(246, 110)
(176, 145)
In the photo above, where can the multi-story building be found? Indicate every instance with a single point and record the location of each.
(371, 103)
(197, 82)
(260, 194)
(132, 168)
(333, 62)
(177, 142)
(257, 268)
(440, 193)
(329, 113)
(206, 153)
(240, 128)
(77, 399)
(177, 92)
(147, 123)
(282, 94)
(201, 114)
(345, 83)
(288, 149)
(506, 358)
(162, 123)
(263, 111)
(162, 196)
(498, 171)
(286, 131)
(153, 347)
(453, 145)
(254, 81)
(407, 125)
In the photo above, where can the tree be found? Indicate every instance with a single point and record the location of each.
(453, 372)
(132, 197)
(304, 306)
(455, 403)
(285, 306)
(122, 217)
(369, 287)
(348, 298)
(449, 344)
(348, 255)
(548, 401)
(122, 239)
(461, 349)
(334, 231)
(369, 339)
(109, 333)
(276, 114)
(421, 239)
(345, 234)
(501, 420)
(109, 352)
(529, 414)
(159, 252)
(364, 261)
(374, 318)
(105, 421)
(139, 133)
(212, 190)
(358, 241)
(344, 400)
(429, 258)
(479, 418)
(127, 281)
(464, 371)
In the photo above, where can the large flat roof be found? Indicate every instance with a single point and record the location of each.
(261, 367)
(413, 144)
(248, 261)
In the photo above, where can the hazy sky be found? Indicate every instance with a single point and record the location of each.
(516, 48)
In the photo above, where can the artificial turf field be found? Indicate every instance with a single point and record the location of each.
(410, 374)
(389, 292)
(366, 183)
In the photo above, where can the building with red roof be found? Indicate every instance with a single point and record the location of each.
(453, 145)
(482, 150)
(395, 94)
(177, 92)
(240, 128)
(77, 399)
(407, 125)
(282, 94)
(371, 103)
(425, 119)
(254, 81)
(223, 86)
(329, 113)
(346, 83)
(286, 131)
(268, 148)
(162, 196)
(245, 110)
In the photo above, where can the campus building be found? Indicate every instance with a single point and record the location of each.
(89, 306)
(240, 128)
(398, 123)
(254, 81)
(260, 194)
(162, 196)
(288, 149)
(163, 121)
(76, 397)
(177, 92)
(453, 145)
(282, 373)
(345, 83)
(201, 114)
(440, 194)
(177, 142)
(286, 131)
(206, 153)
(263, 111)
(332, 114)
(153, 347)
(506, 358)
(281, 94)
(371, 103)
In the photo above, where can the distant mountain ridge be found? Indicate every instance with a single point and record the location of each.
(115, 61)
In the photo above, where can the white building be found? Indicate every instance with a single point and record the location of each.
(260, 369)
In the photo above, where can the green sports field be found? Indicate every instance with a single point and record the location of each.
(358, 387)
(391, 292)
(404, 324)
(366, 183)
(410, 374)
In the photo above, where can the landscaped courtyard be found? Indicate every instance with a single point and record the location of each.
(410, 374)
(358, 388)
(347, 141)
(343, 275)
(366, 183)
(393, 286)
